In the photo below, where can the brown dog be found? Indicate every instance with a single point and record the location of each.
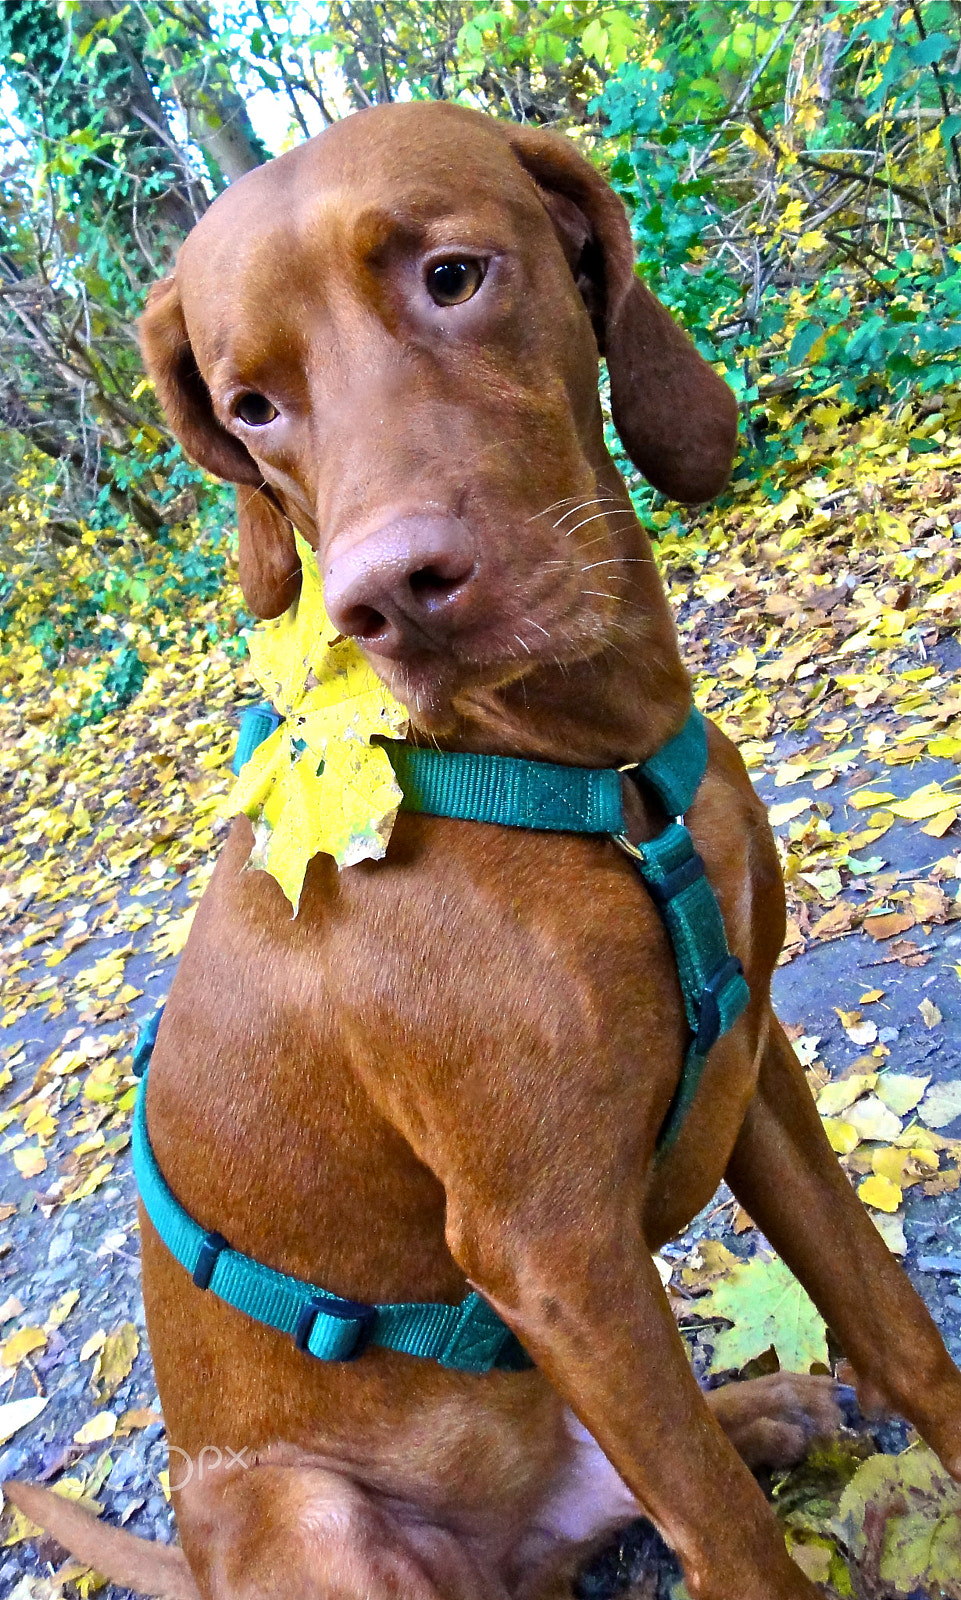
(451, 1068)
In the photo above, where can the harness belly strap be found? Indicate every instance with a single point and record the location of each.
(470, 1337)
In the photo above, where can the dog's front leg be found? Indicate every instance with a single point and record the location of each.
(582, 1293)
(785, 1173)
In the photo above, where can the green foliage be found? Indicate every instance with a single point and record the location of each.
(797, 218)
(792, 171)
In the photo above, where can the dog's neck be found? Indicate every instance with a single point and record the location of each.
(618, 705)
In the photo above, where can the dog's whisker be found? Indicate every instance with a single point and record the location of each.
(567, 498)
(618, 561)
(597, 517)
(594, 500)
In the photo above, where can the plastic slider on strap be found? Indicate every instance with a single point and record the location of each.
(346, 1312)
(210, 1250)
(146, 1039)
(709, 1010)
(675, 882)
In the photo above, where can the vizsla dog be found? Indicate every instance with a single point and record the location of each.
(451, 1068)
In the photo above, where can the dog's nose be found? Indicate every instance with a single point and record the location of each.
(403, 588)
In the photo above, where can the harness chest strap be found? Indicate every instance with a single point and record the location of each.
(538, 795)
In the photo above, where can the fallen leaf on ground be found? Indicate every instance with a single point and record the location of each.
(880, 1193)
(30, 1161)
(915, 1506)
(95, 1342)
(901, 1092)
(941, 1104)
(888, 923)
(102, 1426)
(115, 1360)
(837, 1097)
(873, 1120)
(711, 1262)
(20, 1344)
(788, 810)
(768, 1307)
(842, 1136)
(61, 1309)
(17, 1413)
(891, 1229)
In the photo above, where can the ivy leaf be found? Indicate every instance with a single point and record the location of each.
(768, 1307)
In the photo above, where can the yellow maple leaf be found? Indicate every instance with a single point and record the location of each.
(317, 785)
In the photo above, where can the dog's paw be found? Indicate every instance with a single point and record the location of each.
(774, 1421)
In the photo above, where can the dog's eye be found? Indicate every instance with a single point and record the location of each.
(255, 409)
(450, 283)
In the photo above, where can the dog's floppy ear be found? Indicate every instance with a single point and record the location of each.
(269, 563)
(270, 574)
(677, 419)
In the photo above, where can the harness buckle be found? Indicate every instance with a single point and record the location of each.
(709, 1011)
(341, 1311)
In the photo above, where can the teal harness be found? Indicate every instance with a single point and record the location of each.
(471, 1337)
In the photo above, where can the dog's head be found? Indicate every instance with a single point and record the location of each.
(389, 337)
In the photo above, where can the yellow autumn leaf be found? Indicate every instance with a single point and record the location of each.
(929, 801)
(866, 798)
(788, 810)
(842, 1137)
(115, 1360)
(318, 785)
(880, 1193)
(95, 1342)
(169, 940)
(102, 1426)
(837, 1097)
(20, 1344)
(90, 1183)
(30, 1161)
(61, 1309)
(938, 826)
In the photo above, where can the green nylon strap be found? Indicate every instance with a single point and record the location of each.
(469, 1337)
(675, 771)
(515, 793)
(712, 983)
